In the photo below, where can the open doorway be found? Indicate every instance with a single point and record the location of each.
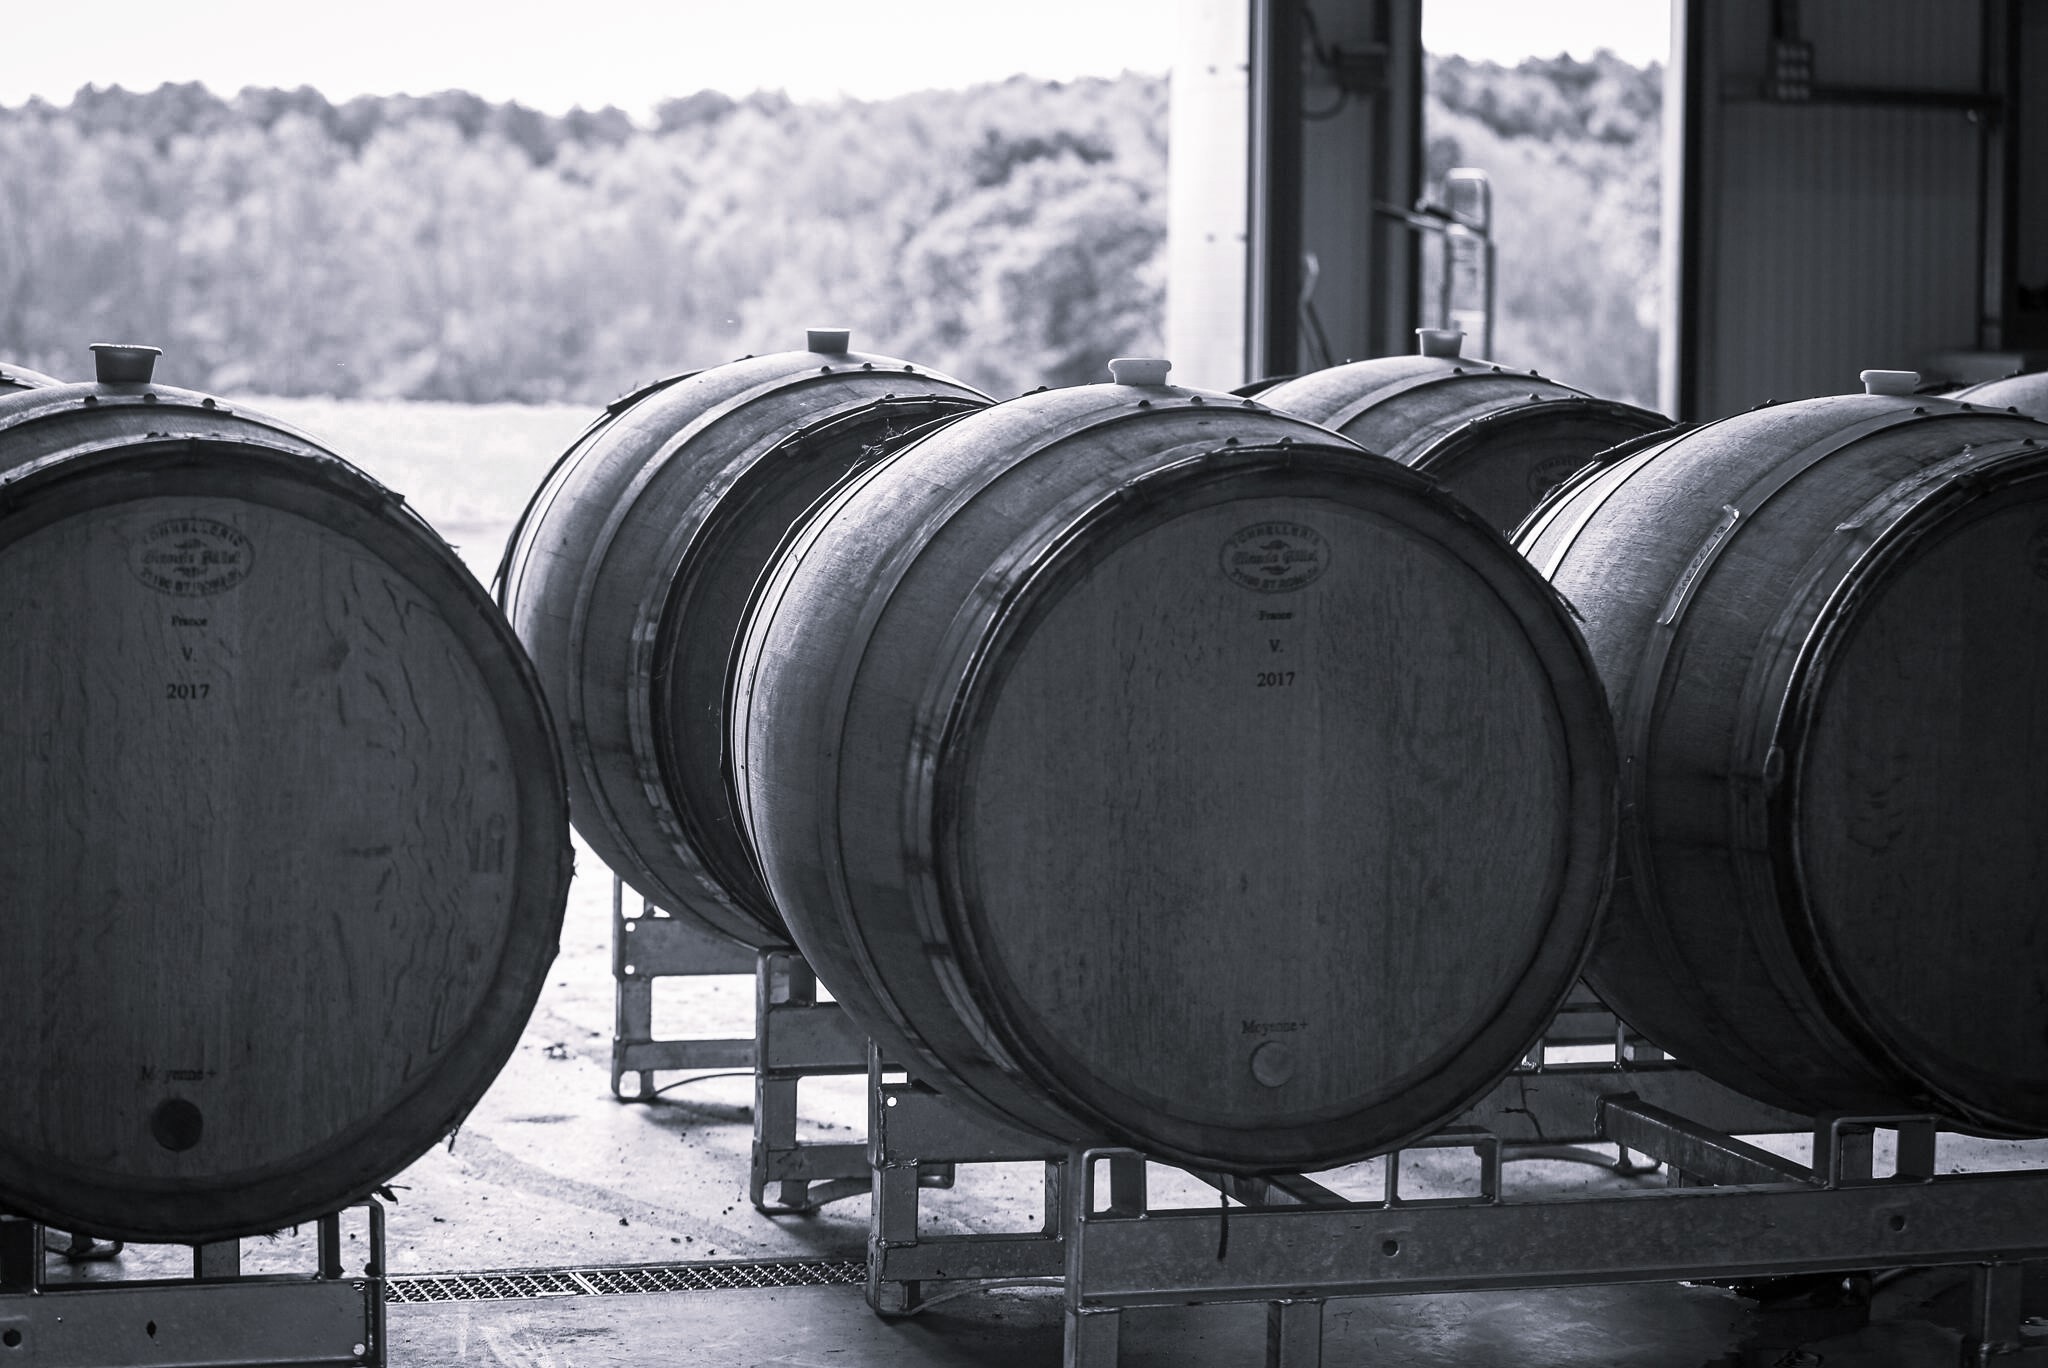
(1560, 109)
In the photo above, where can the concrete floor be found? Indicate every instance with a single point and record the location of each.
(551, 1171)
(1651, 1327)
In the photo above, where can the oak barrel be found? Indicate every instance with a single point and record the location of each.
(287, 838)
(1135, 761)
(1821, 626)
(1498, 439)
(629, 573)
(2026, 391)
(21, 378)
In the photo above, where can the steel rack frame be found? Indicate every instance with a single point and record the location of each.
(1542, 1110)
(217, 1318)
(796, 1036)
(911, 1130)
(1736, 1212)
(1729, 1210)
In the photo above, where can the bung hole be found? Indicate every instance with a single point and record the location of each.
(176, 1124)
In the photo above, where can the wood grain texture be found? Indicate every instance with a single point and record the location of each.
(629, 574)
(1751, 846)
(732, 538)
(14, 377)
(2027, 393)
(1499, 440)
(1923, 803)
(1180, 808)
(288, 840)
(1032, 813)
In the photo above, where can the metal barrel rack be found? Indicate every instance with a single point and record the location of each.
(1728, 1210)
(911, 1128)
(796, 1036)
(1740, 1212)
(219, 1316)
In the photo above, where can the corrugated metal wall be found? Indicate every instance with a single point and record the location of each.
(1849, 239)
(1835, 228)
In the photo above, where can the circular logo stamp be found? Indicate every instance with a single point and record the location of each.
(191, 557)
(1276, 557)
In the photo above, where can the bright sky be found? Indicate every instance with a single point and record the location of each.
(635, 53)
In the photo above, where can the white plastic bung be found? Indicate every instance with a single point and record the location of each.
(1439, 341)
(1889, 381)
(1139, 370)
(123, 363)
(827, 339)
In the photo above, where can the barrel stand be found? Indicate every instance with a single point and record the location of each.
(217, 1317)
(795, 1037)
(912, 1131)
(1739, 1213)
(1728, 1211)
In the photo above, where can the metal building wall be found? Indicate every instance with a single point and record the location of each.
(1361, 166)
(1208, 202)
(2027, 86)
(1295, 147)
(1834, 216)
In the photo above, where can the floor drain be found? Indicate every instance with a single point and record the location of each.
(522, 1284)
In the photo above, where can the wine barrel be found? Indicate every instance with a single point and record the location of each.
(1820, 625)
(1136, 761)
(21, 378)
(1498, 439)
(287, 840)
(629, 573)
(2026, 391)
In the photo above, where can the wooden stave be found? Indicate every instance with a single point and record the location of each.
(1617, 628)
(593, 560)
(2024, 392)
(943, 1019)
(558, 522)
(1577, 435)
(1977, 499)
(66, 449)
(1467, 423)
(22, 378)
(1435, 1089)
(731, 546)
(1710, 895)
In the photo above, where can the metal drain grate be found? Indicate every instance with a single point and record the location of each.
(581, 1282)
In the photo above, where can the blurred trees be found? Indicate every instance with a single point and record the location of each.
(445, 247)
(448, 248)
(1574, 153)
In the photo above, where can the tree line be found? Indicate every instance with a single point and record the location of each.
(448, 247)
